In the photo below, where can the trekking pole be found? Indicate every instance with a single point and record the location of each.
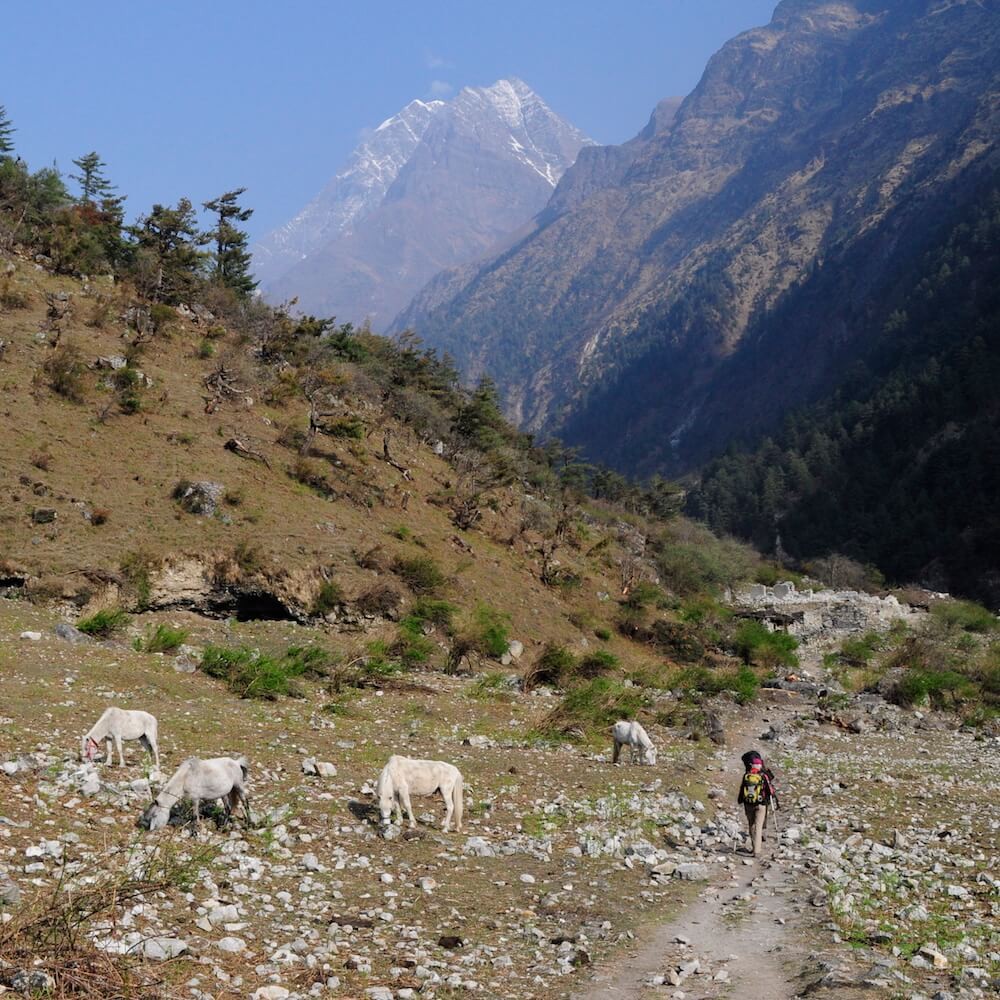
(774, 813)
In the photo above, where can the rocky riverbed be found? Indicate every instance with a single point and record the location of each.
(572, 877)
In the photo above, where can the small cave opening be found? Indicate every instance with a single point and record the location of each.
(258, 605)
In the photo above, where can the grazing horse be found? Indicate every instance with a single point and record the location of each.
(403, 776)
(201, 781)
(632, 735)
(118, 724)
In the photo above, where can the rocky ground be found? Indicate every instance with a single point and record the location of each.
(571, 878)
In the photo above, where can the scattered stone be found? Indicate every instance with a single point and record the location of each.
(70, 633)
(32, 636)
(9, 892)
(161, 949)
(691, 871)
(201, 498)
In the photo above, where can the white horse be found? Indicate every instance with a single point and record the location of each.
(632, 735)
(201, 781)
(403, 776)
(117, 724)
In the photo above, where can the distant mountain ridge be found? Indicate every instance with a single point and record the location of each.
(622, 318)
(432, 187)
(351, 194)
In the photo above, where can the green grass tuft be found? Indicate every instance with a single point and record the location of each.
(104, 623)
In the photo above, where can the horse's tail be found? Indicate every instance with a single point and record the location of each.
(456, 801)
(244, 766)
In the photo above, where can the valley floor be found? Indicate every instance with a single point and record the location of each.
(571, 878)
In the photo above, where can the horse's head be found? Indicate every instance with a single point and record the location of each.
(650, 755)
(88, 749)
(157, 814)
(383, 792)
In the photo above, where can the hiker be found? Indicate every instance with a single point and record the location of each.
(757, 795)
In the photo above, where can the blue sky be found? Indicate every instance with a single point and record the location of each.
(186, 98)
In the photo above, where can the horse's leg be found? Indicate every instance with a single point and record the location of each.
(404, 794)
(121, 750)
(197, 813)
(156, 751)
(245, 799)
(449, 807)
(109, 752)
(616, 753)
(397, 798)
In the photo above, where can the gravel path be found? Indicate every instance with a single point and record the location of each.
(735, 936)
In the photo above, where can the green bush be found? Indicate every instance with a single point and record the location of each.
(64, 369)
(860, 650)
(420, 573)
(756, 644)
(136, 568)
(329, 596)
(643, 595)
(104, 623)
(940, 688)
(602, 633)
(412, 647)
(491, 686)
(345, 427)
(164, 639)
(704, 563)
(491, 630)
(379, 663)
(597, 663)
(680, 641)
(700, 680)
(253, 674)
(554, 667)
(965, 615)
(162, 317)
(595, 704)
(437, 612)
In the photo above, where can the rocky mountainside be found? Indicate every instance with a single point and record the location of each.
(434, 186)
(837, 135)
(352, 194)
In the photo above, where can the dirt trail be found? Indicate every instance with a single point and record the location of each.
(739, 926)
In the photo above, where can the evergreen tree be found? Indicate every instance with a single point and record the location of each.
(6, 131)
(231, 267)
(169, 262)
(93, 184)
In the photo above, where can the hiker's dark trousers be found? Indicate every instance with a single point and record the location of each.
(755, 821)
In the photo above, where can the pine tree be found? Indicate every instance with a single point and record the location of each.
(94, 185)
(232, 259)
(6, 131)
(169, 260)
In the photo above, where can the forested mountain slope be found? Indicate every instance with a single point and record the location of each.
(900, 465)
(841, 132)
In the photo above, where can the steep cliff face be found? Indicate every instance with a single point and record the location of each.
(446, 182)
(618, 320)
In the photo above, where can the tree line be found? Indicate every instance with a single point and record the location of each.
(164, 252)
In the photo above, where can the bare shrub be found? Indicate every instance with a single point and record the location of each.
(64, 369)
(382, 600)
